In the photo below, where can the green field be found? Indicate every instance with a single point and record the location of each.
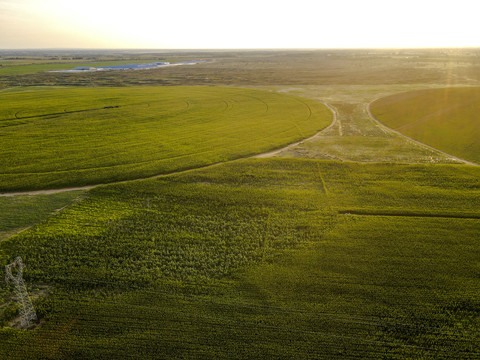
(256, 259)
(446, 119)
(20, 212)
(65, 137)
(356, 244)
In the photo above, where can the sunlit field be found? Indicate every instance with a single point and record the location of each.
(447, 119)
(66, 137)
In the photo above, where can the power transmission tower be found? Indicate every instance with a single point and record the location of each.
(27, 312)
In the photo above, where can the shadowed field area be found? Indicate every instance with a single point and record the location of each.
(20, 212)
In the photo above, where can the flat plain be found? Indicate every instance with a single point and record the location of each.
(358, 243)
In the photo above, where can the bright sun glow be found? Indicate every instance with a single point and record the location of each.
(242, 24)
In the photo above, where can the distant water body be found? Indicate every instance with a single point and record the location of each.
(152, 65)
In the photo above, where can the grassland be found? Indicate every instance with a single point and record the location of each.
(264, 68)
(67, 137)
(255, 259)
(31, 67)
(446, 119)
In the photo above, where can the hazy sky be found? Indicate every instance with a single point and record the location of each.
(238, 24)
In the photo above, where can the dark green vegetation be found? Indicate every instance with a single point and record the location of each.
(20, 212)
(447, 119)
(65, 137)
(253, 259)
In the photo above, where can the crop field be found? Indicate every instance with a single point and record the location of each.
(188, 237)
(260, 252)
(446, 119)
(66, 137)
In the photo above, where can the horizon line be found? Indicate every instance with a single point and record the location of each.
(247, 49)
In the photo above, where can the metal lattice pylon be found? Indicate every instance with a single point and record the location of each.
(27, 312)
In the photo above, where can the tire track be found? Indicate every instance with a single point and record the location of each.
(58, 113)
(66, 111)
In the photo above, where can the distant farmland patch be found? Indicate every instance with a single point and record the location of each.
(64, 137)
(32, 67)
(153, 65)
(447, 119)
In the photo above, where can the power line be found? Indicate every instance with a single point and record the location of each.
(27, 312)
